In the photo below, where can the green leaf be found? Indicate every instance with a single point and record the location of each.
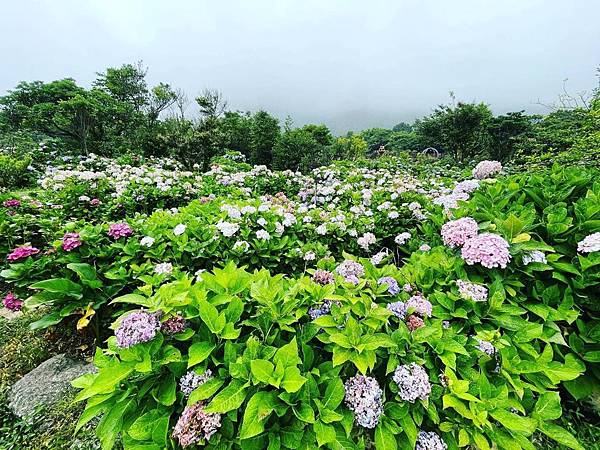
(134, 299)
(384, 438)
(198, 352)
(334, 394)
(560, 435)
(292, 380)
(205, 390)
(210, 316)
(166, 392)
(59, 285)
(548, 406)
(229, 398)
(514, 422)
(258, 409)
(304, 412)
(262, 370)
(288, 354)
(325, 433)
(141, 429)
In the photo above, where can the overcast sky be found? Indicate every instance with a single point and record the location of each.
(349, 64)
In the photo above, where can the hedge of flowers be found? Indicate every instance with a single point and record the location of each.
(468, 310)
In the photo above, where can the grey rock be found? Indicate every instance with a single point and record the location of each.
(46, 384)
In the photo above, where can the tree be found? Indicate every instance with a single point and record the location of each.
(211, 103)
(403, 126)
(236, 128)
(320, 133)
(126, 84)
(505, 132)
(458, 129)
(351, 146)
(264, 133)
(297, 149)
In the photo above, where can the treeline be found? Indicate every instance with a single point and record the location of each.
(121, 114)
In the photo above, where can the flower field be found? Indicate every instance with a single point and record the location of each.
(363, 305)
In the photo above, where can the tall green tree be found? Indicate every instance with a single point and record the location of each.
(264, 133)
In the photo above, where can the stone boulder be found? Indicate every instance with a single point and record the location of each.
(46, 385)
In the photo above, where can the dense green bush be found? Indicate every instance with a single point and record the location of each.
(13, 171)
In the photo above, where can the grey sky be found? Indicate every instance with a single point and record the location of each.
(349, 64)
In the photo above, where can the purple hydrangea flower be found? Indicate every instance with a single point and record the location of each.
(428, 440)
(490, 250)
(194, 425)
(392, 285)
(472, 291)
(319, 311)
(456, 232)
(12, 203)
(11, 302)
(420, 305)
(364, 397)
(192, 380)
(71, 241)
(413, 382)
(136, 328)
(398, 308)
(173, 325)
(323, 277)
(351, 271)
(119, 230)
(486, 347)
(22, 253)
(534, 256)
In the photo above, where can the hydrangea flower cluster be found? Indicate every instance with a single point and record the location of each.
(398, 308)
(466, 186)
(366, 240)
(71, 241)
(378, 258)
(428, 440)
(22, 253)
(173, 325)
(136, 328)
(402, 238)
(364, 398)
(413, 382)
(228, 229)
(589, 244)
(12, 302)
(192, 380)
(147, 241)
(456, 232)
(119, 230)
(487, 249)
(485, 169)
(163, 268)
(534, 256)
(12, 203)
(486, 347)
(351, 271)
(414, 322)
(179, 229)
(472, 291)
(319, 311)
(420, 305)
(392, 285)
(323, 277)
(194, 425)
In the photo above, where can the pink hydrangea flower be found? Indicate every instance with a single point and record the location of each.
(95, 202)
(489, 250)
(456, 232)
(118, 230)
(486, 169)
(71, 241)
(11, 302)
(22, 253)
(12, 203)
